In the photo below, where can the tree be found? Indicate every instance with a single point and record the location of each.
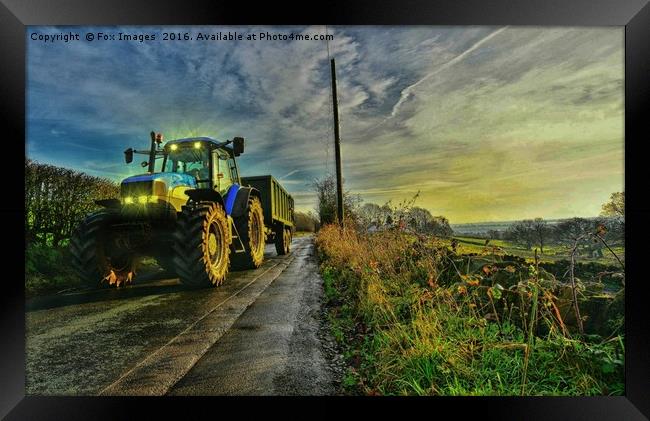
(388, 212)
(372, 214)
(326, 205)
(614, 211)
(541, 232)
(529, 232)
(570, 230)
(615, 206)
(420, 219)
(578, 233)
(522, 233)
(615, 230)
(439, 226)
(495, 234)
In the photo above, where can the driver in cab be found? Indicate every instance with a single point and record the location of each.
(202, 174)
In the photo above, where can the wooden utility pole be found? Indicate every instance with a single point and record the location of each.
(337, 147)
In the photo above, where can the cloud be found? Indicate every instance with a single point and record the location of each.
(406, 92)
(487, 122)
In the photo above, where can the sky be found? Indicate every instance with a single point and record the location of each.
(487, 123)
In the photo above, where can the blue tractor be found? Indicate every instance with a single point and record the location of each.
(196, 216)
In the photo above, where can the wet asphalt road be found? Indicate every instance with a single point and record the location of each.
(260, 333)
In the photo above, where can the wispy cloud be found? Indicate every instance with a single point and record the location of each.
(406, 92)
(289, 174)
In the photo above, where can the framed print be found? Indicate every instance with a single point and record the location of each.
(355, 203)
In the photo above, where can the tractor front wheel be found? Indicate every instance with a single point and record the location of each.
(93, 259)
(202, 244)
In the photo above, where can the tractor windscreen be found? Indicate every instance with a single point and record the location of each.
(192, 161)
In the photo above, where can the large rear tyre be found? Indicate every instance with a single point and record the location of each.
(95, 263)
(282, 240)
(202, 245)
(250, 227)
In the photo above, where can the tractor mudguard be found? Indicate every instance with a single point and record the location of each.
(230, 197)
(241, 200)
(205, 195)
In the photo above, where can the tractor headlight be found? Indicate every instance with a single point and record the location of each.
(173, 147)
(129, 200)
(197, 145)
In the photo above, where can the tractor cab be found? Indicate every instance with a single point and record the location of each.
(211, 163)
(192, 163)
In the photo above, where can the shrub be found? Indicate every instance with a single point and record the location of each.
(47, 269)
(56, 199)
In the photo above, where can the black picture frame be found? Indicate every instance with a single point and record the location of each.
(15, 15)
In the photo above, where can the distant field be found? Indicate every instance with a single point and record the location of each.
(485, 227)
(552, 253)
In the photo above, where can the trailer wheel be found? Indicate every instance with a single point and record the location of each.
(289, 239)
(250, 227)
(282, 240)
(202, 245)
(93, 261)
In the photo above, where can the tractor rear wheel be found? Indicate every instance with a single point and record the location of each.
(282, 240)
(95, 263)
(202, 244)
(250, 227)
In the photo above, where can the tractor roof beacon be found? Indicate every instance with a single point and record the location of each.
(195, 215)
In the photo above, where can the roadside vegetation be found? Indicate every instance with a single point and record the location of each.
(417, 318)
(56, 199)
(417, 314)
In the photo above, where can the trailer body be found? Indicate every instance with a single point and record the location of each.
(277, 203)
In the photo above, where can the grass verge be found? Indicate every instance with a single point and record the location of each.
(414, 318)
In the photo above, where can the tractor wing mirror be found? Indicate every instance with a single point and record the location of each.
(238, 145)
(128, 155)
